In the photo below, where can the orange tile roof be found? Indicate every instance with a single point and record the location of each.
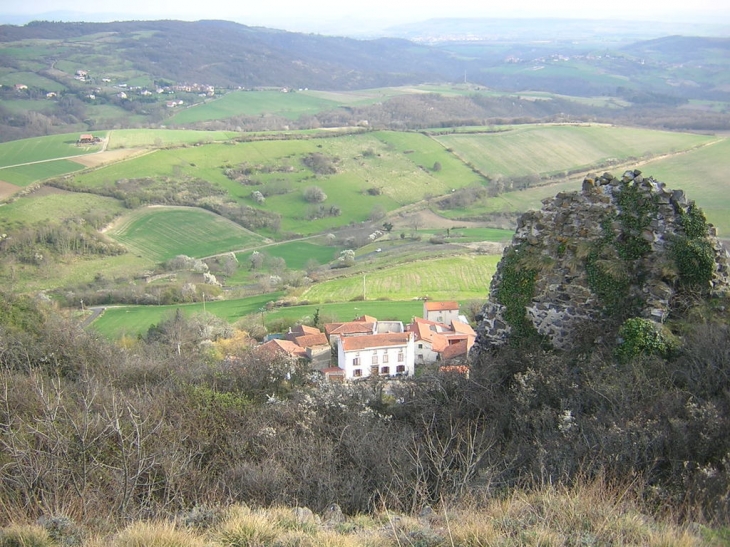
(277, 347)
(355, 343)
(366, 319)
(455, 350)
(440, 306)
(353, 327)
(462, 328)
(300, 330)
(311, 340)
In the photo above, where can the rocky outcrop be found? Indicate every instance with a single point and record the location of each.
(621, 247)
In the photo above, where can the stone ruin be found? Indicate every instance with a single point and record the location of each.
(616, 234)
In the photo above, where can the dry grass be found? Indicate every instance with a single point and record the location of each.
(591, 513)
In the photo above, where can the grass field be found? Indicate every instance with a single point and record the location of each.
(252, 103)
(56, 206)
(703, 175)
(44, 148)
(136, 320)
(161, 233)
(25, 175)
(147, 138)
(548, 150)
(457, 277)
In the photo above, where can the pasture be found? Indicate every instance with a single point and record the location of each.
(136, 320)
(460, 277)
(554, 149)
(51, 205)
(702, 174)
(161, 233)
(290, 105)
(44, 148)
(148, 138)
(25, 175)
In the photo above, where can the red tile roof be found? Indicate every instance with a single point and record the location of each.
(352, 327)
(440, 306)
(311, 340)
(462, 328)
(455, 350)
(274, 348)
(355, 343)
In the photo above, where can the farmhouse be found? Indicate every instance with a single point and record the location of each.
(438, 342)
(389, 355)
(441, 312)
(87, 138)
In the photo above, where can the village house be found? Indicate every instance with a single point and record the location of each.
(436, 342)
(385, 355)
(441, 312)
(316, 347)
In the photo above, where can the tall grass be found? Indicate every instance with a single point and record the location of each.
(590, 513)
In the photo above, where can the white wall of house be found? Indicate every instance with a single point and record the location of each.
(425, 353)
(389, 361)
(444, 317)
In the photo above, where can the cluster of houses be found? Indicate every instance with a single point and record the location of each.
(367, 347)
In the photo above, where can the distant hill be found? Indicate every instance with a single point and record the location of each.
(229, 54)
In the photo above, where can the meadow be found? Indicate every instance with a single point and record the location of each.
(132, 321)
(25, 175)
(159, 234)
(554, 149)
(289, 105)
(45, 148)
(149, 138)
(462, 277)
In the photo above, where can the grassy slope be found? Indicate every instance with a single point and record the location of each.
(548, 150)
(45, 148)
(134, 320)
(159, 234)
(453, 278)
(56, 206)
(253, 103)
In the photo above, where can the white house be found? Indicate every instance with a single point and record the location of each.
(436, 341)
(441, 312)
(389, 355)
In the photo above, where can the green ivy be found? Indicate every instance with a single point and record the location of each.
(692, 252)
(694, 222)
(695, 260)
(515, 292)
(637, 212)
(640, 336)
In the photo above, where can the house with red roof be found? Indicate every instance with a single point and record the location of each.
(441, 312)
(385, 355)
(438, 342)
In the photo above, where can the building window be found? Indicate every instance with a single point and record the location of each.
(374, 370)
(420, 356)
(356, 362)
(385, 358)
(357, 373)
(400, 357)
(400, 369)
(375, 359)
(420, 346)
(384, 370)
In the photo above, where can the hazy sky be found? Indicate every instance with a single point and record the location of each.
(311, 13)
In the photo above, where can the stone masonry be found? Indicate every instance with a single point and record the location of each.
(557, 240)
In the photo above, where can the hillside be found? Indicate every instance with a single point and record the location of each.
(57, 77)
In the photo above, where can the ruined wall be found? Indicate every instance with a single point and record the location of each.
(622, 247)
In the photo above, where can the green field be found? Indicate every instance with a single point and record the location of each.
(254, 103)
(158, 233)
(147, 138)
(553, 149)
(703, 175)
(45, 148)
(56, 206)
(457, 277)
(136, 320)
(24, 175)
